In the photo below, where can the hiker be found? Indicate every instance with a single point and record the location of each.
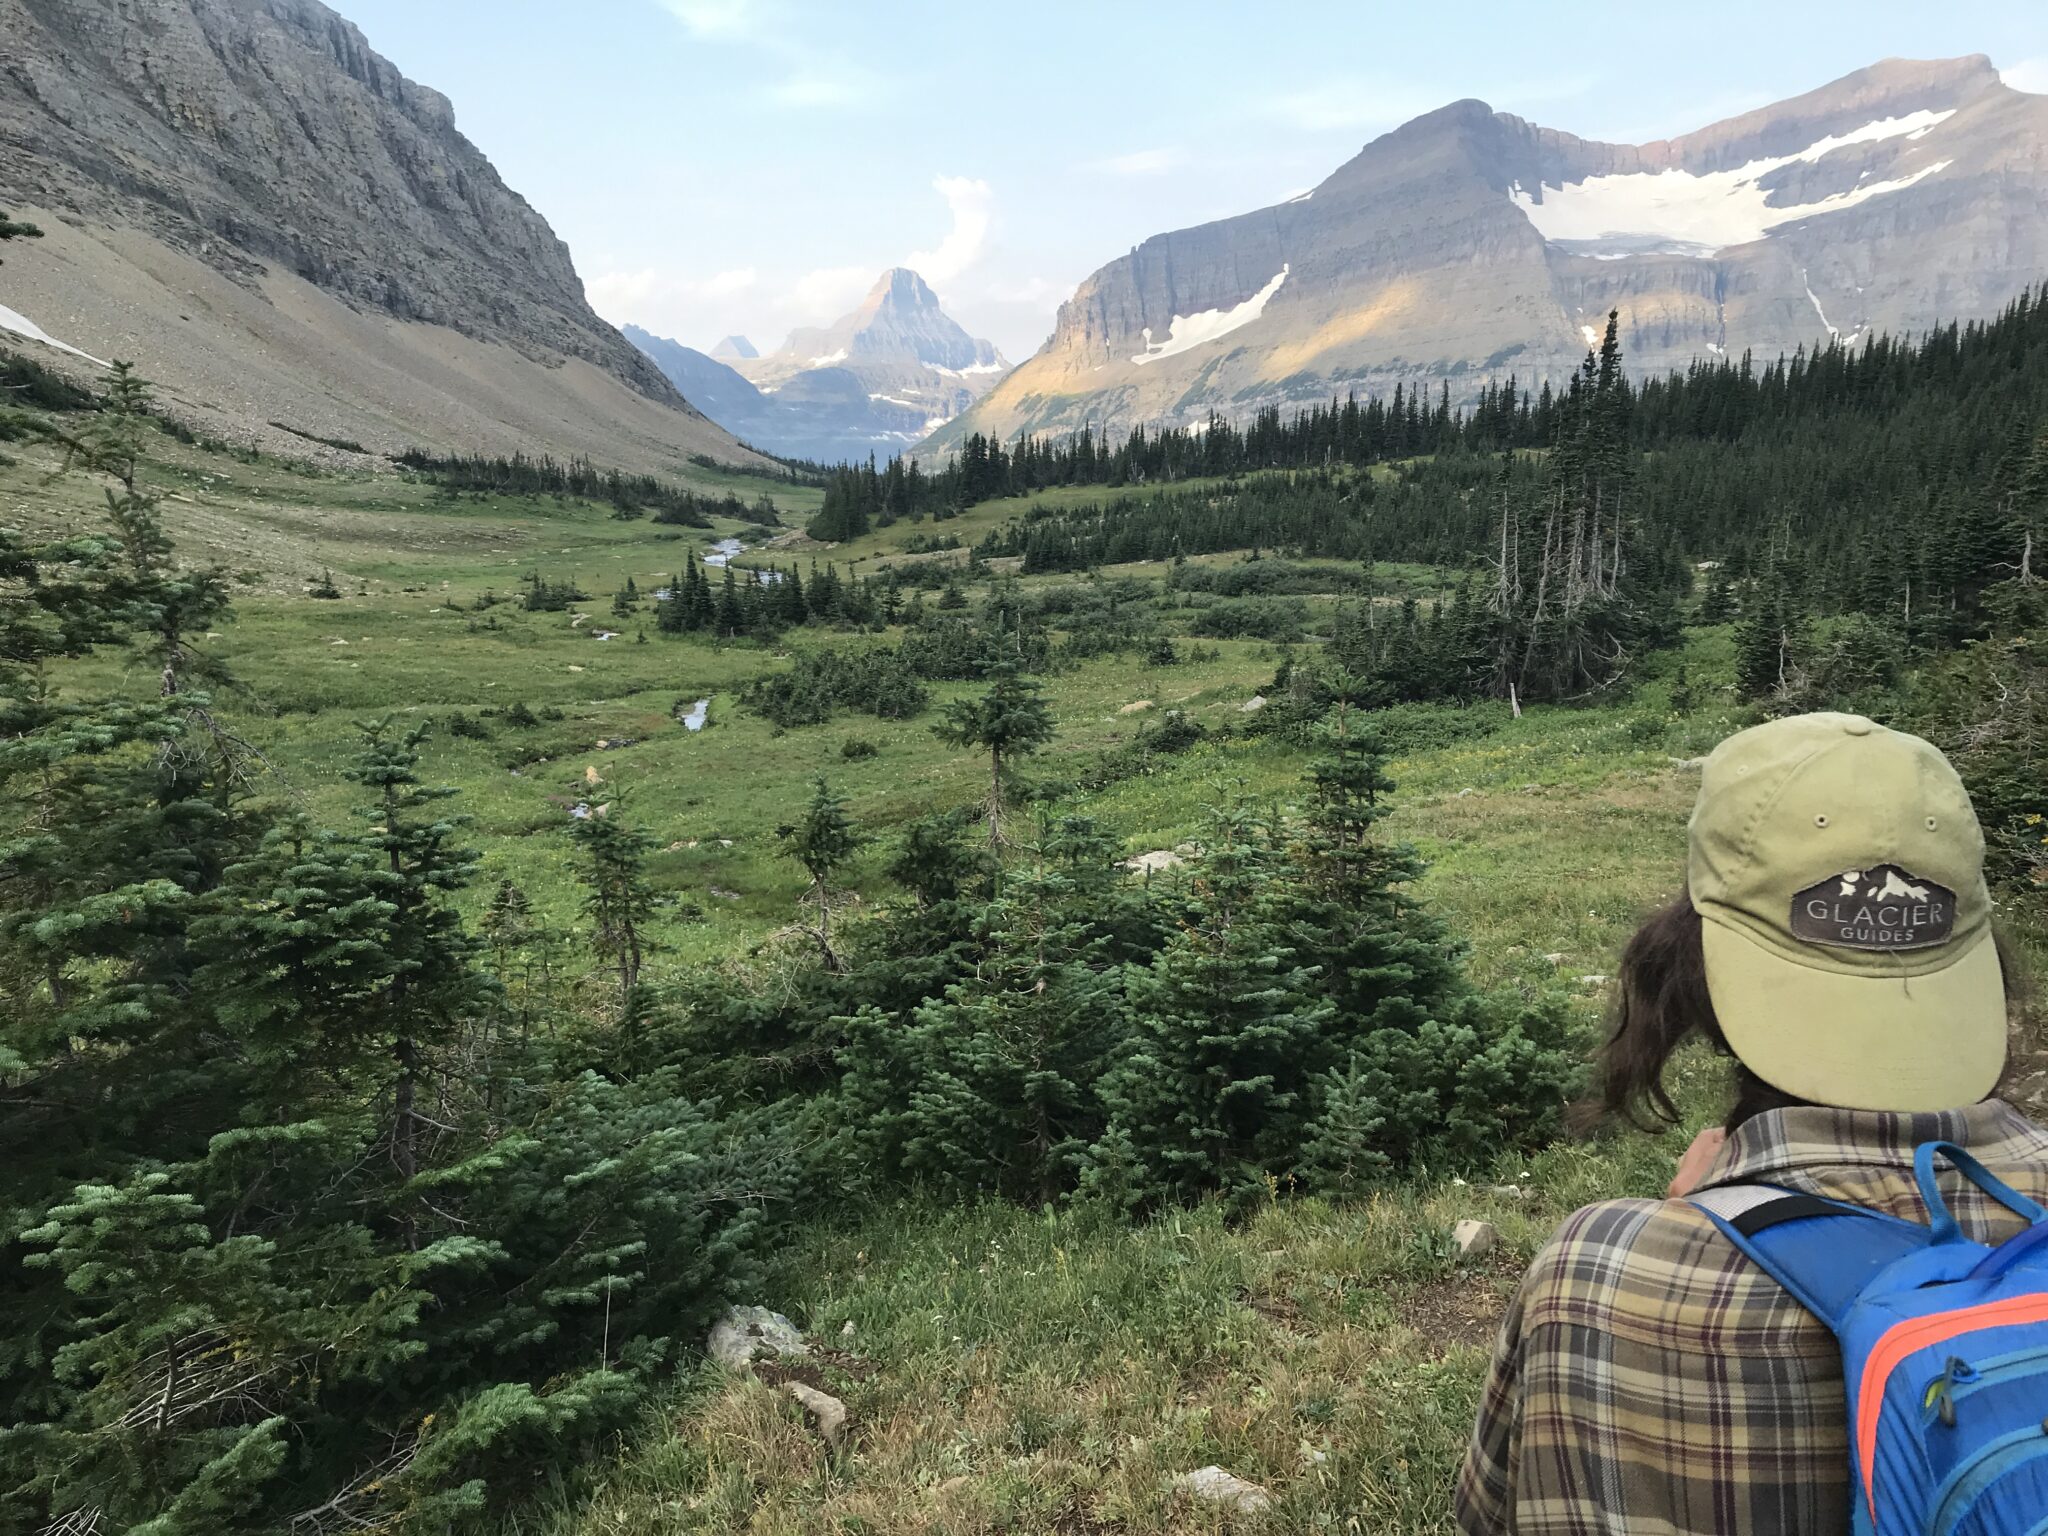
(1652, 1376)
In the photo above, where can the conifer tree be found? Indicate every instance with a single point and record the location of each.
(823, 842)
(617, 898)
(1000, 1079)
(1214, 1093)
(430, 985)
(1770, 641)
(1008, 721)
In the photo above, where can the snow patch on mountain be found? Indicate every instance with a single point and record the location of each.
(1680, 211)
(1190, 331)
(21, 325)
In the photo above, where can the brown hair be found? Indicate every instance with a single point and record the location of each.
(1660, 1002)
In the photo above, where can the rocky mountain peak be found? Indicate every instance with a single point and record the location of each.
(732, 347)
(901, 290)
(1468, 244)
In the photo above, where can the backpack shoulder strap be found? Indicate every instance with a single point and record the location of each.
(1823, 1251)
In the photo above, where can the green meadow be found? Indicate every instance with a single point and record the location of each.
(1005, 1369)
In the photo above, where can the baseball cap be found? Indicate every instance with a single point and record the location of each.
(1838, 869)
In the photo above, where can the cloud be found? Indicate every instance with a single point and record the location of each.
(2030, 75)
(972, 202)
(1140, 162)
(716, 18)
(826, 293)
(652, 294)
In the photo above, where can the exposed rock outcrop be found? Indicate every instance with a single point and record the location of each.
(247, 183)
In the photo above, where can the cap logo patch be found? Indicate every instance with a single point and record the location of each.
(1880, 908)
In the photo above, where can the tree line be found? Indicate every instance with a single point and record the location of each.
(627, 494)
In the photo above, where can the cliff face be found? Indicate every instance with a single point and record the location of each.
(266, 142)
(1469, 244)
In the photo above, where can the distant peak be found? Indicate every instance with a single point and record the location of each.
(735, 346)
(901, 288)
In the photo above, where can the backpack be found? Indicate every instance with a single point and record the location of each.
(1944, 1347)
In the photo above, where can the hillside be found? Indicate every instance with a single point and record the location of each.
(276, 225)
(1470, 245)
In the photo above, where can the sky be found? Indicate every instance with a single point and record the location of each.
(722, 166)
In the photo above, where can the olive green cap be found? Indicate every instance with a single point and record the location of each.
(1838, 869)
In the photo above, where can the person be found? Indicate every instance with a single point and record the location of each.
(1835, 939)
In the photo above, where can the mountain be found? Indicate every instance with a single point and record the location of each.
(1470, 244)
(291, 238)
(873, 382)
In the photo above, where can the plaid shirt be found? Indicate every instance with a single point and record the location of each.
(1651, 1381)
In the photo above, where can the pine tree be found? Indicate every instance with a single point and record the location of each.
(430, 986)
(617, 899)
(1215, 1093)
(823, 842)
(1770, 642)
(1001, 1078)
(1384, 961)
(1009, 721)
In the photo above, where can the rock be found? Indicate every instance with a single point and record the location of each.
(1252, 705)
(1593, 981)
(828, 1414)
(846, 1332)
(1557, 958)
(1507, 1191)
(747, 1333)
(1474, 1239)
(1138, 706)
(1464, 793)
(1688, 764)
(1153, 862)
(1213, 1485)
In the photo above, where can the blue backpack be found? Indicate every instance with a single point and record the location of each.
(1944, 1347)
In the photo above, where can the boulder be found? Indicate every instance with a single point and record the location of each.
(826, 1412)
(1136, 706)
(1152, 863)
(1213, 1485)
(1253, 705)
(746, 1334)
(1474, 1239)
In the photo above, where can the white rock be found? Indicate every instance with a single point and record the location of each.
(1153, 862)
(1474, 1239)
(828, 1414)
(1136, 706)
(1213, 1485)
(1593, 981)
(1252, 706)
(1507, 1191)
(847, 1331)
(745, 1333)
